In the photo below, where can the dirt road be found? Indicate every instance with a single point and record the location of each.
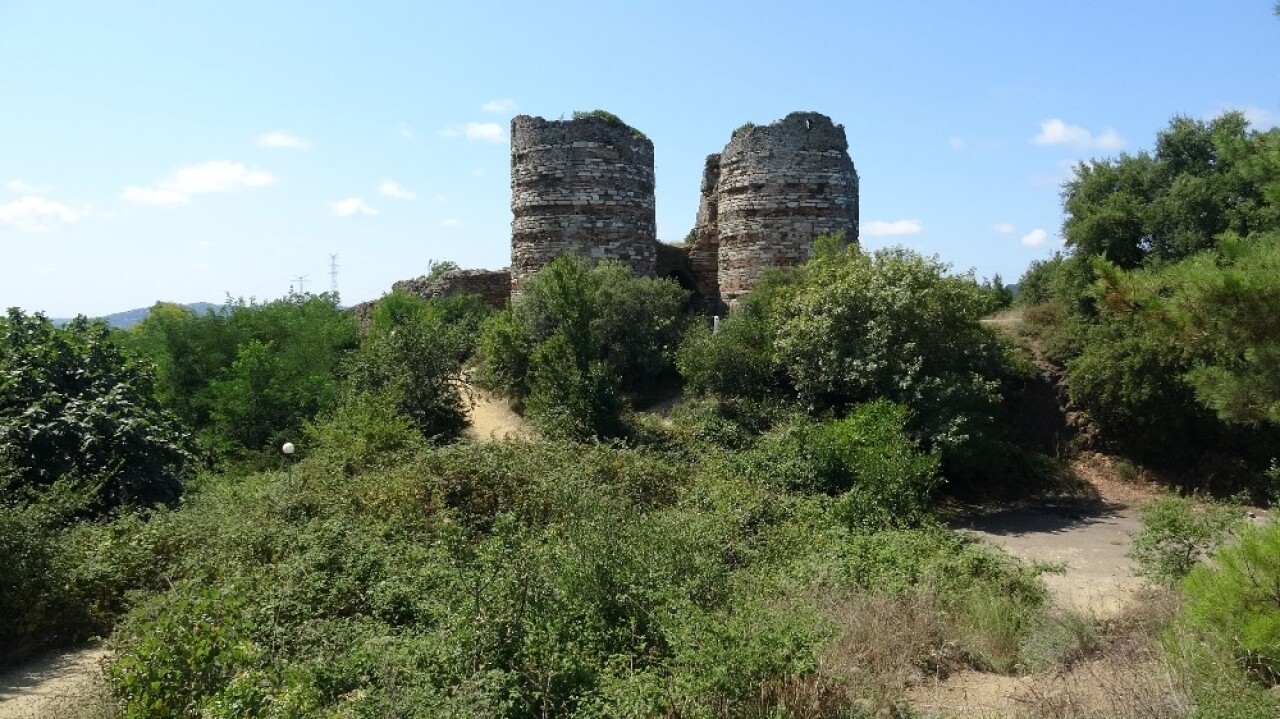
(57, 685)
(1089, 545)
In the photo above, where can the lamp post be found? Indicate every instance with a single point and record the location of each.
(287, 449)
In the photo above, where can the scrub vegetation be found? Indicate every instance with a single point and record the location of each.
(771, 547)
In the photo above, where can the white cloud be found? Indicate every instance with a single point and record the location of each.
(483, 131)
(478, 172)
(1057, 132)
(1004, 228)
(37, 216)
(405, 132)
(353, 206)
(217, 176)
(878, 228)
(25, 188)
(281, 140)
(391, 188)
(451, 222)
(1035, 238)
(156, 196)
(956, 142)
(506, 104)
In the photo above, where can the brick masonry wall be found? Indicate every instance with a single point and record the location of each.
(779, 186)
(704, 256)
(583, 187)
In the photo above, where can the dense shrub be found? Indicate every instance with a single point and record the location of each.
(367, 431)
(1177, 532)
(413, 356)
(516, 580)
(741, 361)
(246, 377)
(76, 409)
(1236, 599)
(866, 460)
(850, 328)
(577, 339)
(1224, 640)
(32, 601)
(893, 324)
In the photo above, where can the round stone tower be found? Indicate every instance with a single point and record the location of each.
(779, 187)
(583, 187)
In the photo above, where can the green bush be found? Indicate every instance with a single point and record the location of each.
(195, 649)
(32, 576)
(608, 117)
(413, 357)
(894, 325)
(1235, 600)
(366, 432)
(77, 410)
(577, 339)
(879, 476)
(571, 397)
(1177, 532)
(516, 580)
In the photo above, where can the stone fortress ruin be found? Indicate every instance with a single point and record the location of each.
(585, 187)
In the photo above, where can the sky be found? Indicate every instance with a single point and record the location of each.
(191, 151)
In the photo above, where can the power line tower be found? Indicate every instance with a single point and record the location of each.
(333, 276)
(301, 281)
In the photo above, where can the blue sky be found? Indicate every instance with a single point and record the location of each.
(182, 151)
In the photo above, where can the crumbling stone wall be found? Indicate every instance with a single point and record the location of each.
(493, 286)
(704, 255)
(583, 187)
(776, 188)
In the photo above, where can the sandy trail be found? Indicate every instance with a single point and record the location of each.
(1089, 540)
(493, 419)
(59, 684)
(1090, 545)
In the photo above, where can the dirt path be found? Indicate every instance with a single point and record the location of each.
(1088, 538)
(492, 419)
(57, 685)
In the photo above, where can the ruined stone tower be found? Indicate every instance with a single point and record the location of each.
(767, 196)
(582, 187)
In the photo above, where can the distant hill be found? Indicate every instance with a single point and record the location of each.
(129, 318)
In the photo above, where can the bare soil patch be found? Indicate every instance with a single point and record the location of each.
(1087, 534)
(493, 419)
(56, 685)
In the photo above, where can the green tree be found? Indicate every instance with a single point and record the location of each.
(249, 375)
(999, 296)
(76, 409)
(1035, 286)
(413, 357)
(1203, 179)
(579, 337)
(893, 325)
(1225, 307)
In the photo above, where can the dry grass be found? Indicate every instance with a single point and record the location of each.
(888, 644)
(1128, 677)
